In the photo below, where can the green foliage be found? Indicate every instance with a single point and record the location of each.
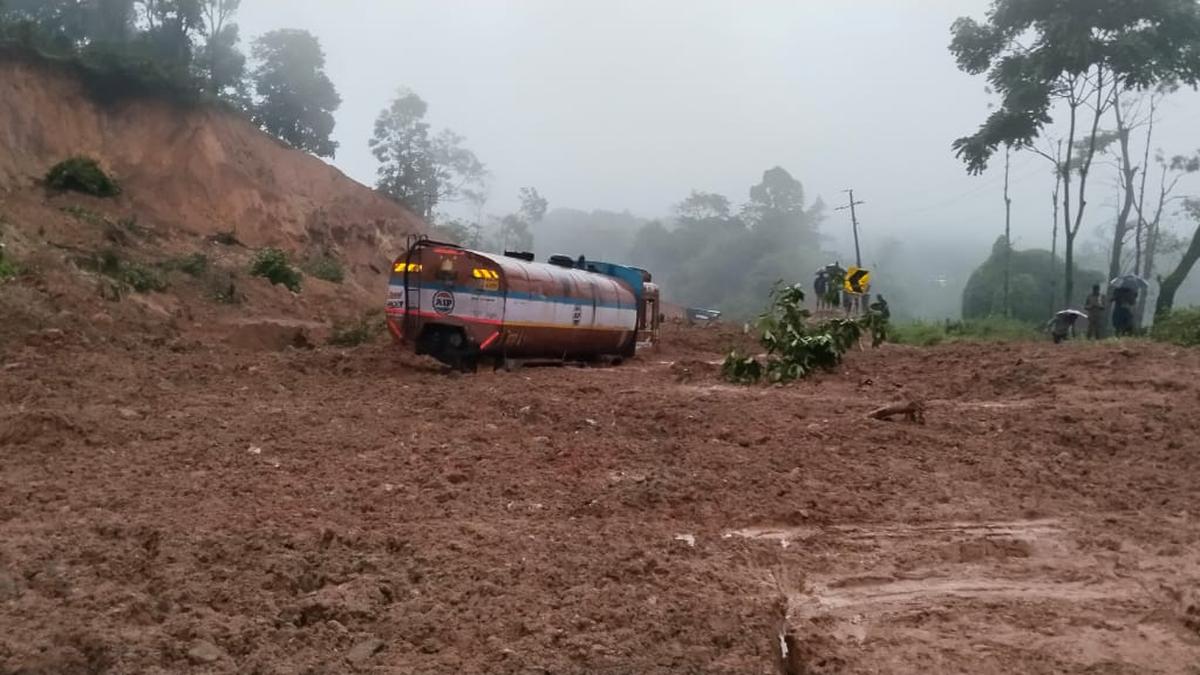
(1032, 287)
(82, 174)
(795, 349)
(740, 368)
(989, 329)
(182, 49)
(195, 265)
(1037, 52)
(1179, 326)
(8, 268)
(125, 273)
(357, 332)
(416, 168)
(273, 264)
(296, 98)
(326, 268)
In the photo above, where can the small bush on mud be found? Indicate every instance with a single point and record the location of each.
(8, 268)
(226, 238)
(357, 332)
(82, 174)
(326, 268)
(194, 265)
(1179, 327)
(272, 264)
(127, 274)
(795, 349)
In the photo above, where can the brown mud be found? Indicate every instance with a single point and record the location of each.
(208, 509)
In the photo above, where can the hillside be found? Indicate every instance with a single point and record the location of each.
(189, 175)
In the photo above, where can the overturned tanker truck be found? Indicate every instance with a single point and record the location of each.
(460, 305)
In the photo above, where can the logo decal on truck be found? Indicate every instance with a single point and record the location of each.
(443, 302)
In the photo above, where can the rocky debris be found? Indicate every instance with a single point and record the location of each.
(204, 652)
(361, 652)
(913, 411)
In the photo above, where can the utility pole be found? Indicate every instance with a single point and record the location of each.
(854, 223)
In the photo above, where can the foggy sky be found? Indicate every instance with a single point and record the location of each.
(630, 104)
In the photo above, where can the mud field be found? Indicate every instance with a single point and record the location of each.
(178, 507)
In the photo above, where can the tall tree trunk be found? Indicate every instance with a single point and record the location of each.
(1054, 230)
(1128, 173)
(1007, 236)
(1171, 284)
(1084, 168)
(1141, 233)
(1066, 181)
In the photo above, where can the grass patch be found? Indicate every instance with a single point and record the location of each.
(273, 265)
(194, 265)
(991, 329)
(82, 174)
(126, 274)
(326, 268)
(8, 268)
(1179, 327)
(357, 332)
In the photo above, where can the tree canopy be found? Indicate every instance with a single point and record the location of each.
(1035, 52)
(185, 49)
(296, 98)
(417, 168)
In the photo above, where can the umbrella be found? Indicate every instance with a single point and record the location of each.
(1072, 315)
(1129, 281)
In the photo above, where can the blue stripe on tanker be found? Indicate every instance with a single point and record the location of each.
(521, 295)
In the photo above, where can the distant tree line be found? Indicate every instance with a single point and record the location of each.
(187, 49)
(717, 255)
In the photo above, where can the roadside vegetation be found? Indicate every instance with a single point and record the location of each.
(795, 346)
(82, 174)
(357, 331)
(1178, 327)
(989, 329)
(273, 265)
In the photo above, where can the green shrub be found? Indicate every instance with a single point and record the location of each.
(82, 174)
(8, 268)
(195, 265)
(126, 274)
(326, 268)
(357, 332)
(273, 264)
(1180, 327)
(141, 278)
(795, 348)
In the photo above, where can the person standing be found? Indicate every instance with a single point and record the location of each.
(1094, 305)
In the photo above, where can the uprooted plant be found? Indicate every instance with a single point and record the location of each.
(795, 347)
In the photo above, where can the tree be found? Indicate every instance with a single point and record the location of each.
(533, 205)
(1170, 284)
(407, 172)
(516, 230)
(296, 100)
(1038, 53)
(420, 170)
(223, 63)
(1030, 291)
(171, 26)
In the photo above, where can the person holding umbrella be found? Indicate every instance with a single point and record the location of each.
(1062, 326)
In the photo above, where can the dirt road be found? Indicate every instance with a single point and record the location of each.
(183, 508)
